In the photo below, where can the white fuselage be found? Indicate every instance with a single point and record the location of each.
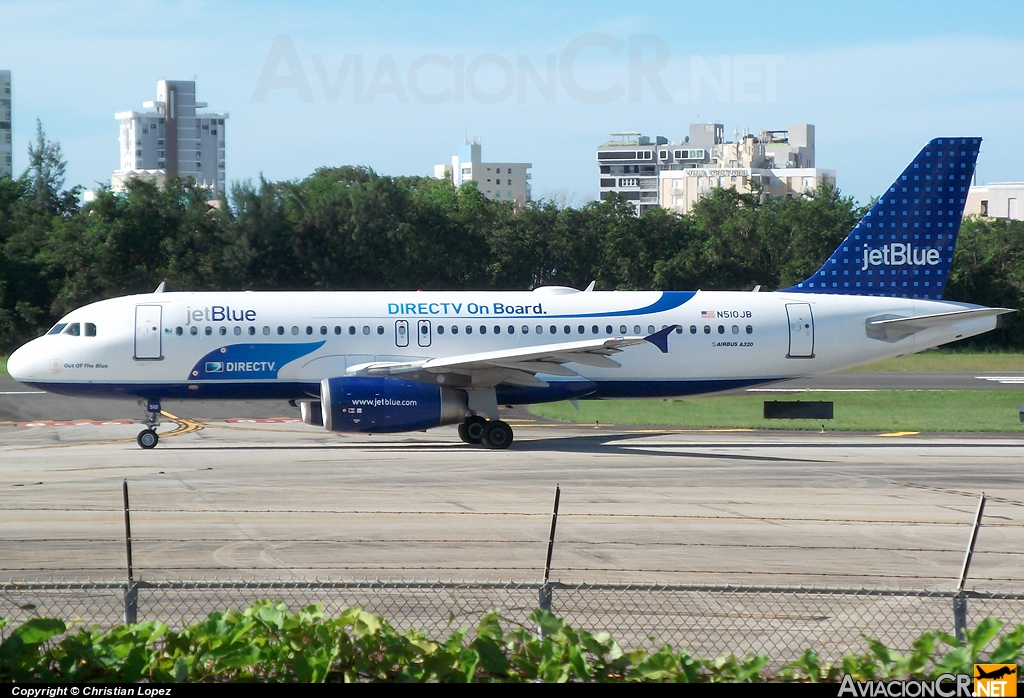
(282, 344)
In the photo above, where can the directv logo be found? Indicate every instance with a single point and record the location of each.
(214, 366)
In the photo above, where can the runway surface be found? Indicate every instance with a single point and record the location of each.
(254, 499)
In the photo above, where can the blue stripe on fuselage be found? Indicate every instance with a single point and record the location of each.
(669, 300)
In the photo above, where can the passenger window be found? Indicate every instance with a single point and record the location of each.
(440, 329)
(207, 330)
(735, 329)
(707, 329)
(238, 330)
(280, 330)
(483, 329)
(193, 330)
(636, 329)
(337, 329)
(366, 329)
(252, 330)
(58, 328)
(469, 330)
(90, 330)
(693, 329)
(266, 329)
(178, 331)
(497, 329)
(351, 329)
(540, 329)
(323, 329)
(679, 329)
(309, 330)
(581, 329)
(511, 329)
(595, 329)
(608, 329)
(750, 330)
(295, 330)
(567, 329)
(721, 329)
(223, 331)
(380, 329)
(455, 329)
(526, 329)
(74, 329)
(650, 329)
(622, 329)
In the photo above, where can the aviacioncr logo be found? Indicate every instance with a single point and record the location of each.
(899, 254)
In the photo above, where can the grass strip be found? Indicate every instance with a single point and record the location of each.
(928, 361)
(877, 411)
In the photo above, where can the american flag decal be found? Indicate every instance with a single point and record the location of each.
(707, 315)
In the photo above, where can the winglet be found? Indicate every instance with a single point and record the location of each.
(660, 338)
(161, 288)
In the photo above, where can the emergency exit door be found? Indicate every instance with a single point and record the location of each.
(424, 333)
(801, 331)
(148, 328)
(401, 333)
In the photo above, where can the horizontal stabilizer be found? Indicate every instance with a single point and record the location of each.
(890, 328)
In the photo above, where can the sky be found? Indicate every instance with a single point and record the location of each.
(399, 86)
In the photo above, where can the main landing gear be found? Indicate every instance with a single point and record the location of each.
(491, 434)
(148, 437)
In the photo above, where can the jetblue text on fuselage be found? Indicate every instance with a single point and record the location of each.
(219, 313)
(898, 254)
(462, 309)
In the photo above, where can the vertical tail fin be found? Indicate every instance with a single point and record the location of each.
(904, 245)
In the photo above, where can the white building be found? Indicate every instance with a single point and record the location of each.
(655, 172)
(996, 200)
(172, 139)
(501, 181)
(6, 166)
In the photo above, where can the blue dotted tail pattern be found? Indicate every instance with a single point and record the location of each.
(904, 245)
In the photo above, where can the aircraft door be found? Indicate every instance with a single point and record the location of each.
(402, 333)
(148, 330)
(423, 333)
(801, 331)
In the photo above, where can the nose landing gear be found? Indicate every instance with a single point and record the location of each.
(148, 437)
(491, 434)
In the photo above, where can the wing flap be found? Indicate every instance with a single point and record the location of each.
(517, 366)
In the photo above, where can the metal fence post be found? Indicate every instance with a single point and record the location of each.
(960, 600)
(545, 594)
(131, 590)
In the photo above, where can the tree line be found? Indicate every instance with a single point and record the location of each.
(349, 228)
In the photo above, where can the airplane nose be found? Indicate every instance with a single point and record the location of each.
(19, 364)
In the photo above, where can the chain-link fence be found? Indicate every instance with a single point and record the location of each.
(708, 620)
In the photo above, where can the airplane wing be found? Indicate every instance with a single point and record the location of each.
(517, 366)
(892, 329)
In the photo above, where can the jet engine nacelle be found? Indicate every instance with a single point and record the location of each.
(379, 405)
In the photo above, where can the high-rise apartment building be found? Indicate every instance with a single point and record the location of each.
(502, 181)
(6, 165)
(652, 172)
(173, 139)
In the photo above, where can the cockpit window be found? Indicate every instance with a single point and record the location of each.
(90, 329)
(58, 328)
(74, 329)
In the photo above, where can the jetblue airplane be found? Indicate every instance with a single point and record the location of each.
(405, 361)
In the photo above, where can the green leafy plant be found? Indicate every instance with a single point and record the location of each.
(268, 643)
